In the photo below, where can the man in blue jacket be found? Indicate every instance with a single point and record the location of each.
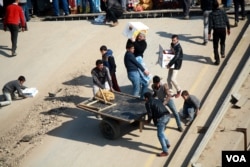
(132, 65)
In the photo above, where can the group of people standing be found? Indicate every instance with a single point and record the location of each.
(160, 99)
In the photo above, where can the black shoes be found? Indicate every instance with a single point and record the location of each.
(216, 63)
(204, 43)
(236, 24)
(180, 129)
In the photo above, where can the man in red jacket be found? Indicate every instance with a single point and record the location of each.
(13, 17)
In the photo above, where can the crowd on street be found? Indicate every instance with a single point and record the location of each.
(159, 100)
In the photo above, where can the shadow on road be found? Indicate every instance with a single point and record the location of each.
(84, 128)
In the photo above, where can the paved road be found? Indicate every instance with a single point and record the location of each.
(52, 53)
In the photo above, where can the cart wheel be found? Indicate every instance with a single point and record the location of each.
(110, 128)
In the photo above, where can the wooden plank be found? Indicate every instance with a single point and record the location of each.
(88, 107)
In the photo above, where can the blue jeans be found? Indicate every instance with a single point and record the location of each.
(96, 4)
(25, 11)
(173, 109)
(135, 78)
(189, 111)
(65, 7)
(228, 3)
(161, 126)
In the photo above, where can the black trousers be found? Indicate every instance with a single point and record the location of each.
(238, 3)
(113, 15)
(186, 7)
(14, 34)
(219, 35)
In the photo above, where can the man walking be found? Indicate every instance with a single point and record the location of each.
(218, 22)
(206, 7)
(161, 116)
(14, 15)
(238, 3)
(163, 93)
(177, 62)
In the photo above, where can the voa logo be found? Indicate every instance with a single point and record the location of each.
(236, 158)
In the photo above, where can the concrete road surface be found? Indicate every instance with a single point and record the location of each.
(53, 53)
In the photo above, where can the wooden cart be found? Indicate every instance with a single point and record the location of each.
(124, 109)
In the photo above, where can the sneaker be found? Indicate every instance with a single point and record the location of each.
(204, 43)
(186, 17)
(163, 154)
(222, 56)
(180, 129)
(216, 63)
(13, 54)
(236, 24)
(114, 24)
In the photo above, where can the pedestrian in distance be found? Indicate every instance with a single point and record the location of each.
(163, 93)
(219, 23)
(10, 88)
(191, 106)
(101, 77)
(65, 7)
(238, 3)
(161, 116)
(24, 5)
(186, 8)
(13, 17)
(113, 11)
(132, 65)
(206, 7)
(109, 61)
(177, 62)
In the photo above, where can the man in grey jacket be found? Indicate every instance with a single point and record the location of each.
(163, 93)
(191, 106)
(10, 88)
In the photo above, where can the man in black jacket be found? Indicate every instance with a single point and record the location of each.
(113, 11)
(161, 116)
(175, 65)
(218, 21)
